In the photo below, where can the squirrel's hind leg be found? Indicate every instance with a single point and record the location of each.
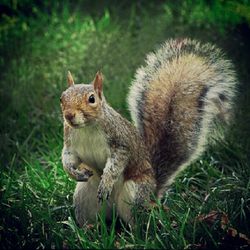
(86, 203)
(133, 193)
(125, 200)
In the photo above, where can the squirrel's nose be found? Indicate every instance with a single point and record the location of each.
(69, 116)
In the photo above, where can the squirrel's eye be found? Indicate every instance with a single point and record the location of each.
(92, 99)
(60, 99)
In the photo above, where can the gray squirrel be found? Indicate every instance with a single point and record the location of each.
(173, 100)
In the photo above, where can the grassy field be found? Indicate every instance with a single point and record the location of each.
(207, 207)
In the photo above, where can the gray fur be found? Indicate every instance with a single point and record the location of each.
(129, 163)
(215, 100)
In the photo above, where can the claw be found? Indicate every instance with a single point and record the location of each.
(101, 196)
(83, 175)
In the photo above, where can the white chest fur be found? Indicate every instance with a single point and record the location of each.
(91, 146)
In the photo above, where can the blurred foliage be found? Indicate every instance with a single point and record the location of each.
(219, 13)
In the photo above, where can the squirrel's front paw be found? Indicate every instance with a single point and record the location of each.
(104, 191)
(83, 175)
(79, 175)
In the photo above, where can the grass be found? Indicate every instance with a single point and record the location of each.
(37, 47)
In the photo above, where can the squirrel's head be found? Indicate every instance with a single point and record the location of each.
(82, 103)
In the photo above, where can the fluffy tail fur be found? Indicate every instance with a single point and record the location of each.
(174, 100)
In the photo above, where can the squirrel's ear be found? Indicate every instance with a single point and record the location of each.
(98, 83)
(70, 79)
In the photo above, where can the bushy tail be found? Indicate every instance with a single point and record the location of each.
(174, 100)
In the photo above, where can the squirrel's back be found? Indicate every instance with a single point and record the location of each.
(174, 100)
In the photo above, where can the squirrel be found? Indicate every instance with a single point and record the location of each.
(174, 100)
